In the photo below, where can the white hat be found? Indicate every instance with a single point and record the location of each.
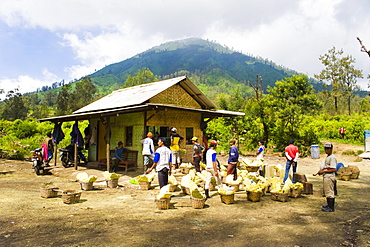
(174, 129)
(328, 145)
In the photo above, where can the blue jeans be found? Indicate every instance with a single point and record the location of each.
(287, 168)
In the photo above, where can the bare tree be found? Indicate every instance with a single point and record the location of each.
(363, 48)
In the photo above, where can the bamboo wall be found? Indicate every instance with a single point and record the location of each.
(180, 120)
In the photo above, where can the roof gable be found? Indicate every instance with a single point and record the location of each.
(141, 94)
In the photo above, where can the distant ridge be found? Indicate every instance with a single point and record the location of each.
(213, 67)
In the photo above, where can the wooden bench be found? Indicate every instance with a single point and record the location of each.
(129, 161)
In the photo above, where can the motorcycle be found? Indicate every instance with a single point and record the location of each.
(37, 161)
(67, 156)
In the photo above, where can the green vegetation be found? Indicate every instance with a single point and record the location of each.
(18, 138)
(280, 105)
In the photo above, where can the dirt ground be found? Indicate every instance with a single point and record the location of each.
(128, 216)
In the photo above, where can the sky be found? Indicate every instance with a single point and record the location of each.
(45, 41)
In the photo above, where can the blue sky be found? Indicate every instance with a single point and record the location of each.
(43, 41)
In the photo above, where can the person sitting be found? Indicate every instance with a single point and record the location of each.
(117, 157)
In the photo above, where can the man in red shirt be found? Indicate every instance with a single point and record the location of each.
(291, 154)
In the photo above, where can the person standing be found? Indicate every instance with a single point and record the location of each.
(291, 154)
(117, 157)
(233, 160)
(48, 149)
(148, 150)
(211, 167)
(328, 170)
(197, 153)
(175, 147)
(342, 132)
(260, 150)
(162, 162)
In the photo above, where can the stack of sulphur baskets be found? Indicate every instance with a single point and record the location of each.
(163, 198)
(111, 179)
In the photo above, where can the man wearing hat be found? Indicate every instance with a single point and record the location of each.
(328, 171)
(148, 150)
(175, 147)
(197, 153)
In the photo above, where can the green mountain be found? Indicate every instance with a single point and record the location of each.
(212, 67)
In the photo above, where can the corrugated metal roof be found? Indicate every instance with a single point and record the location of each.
(137, 95)
(139, 108)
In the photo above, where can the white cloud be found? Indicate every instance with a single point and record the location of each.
(95, 52)
(27, 84)
(290, 33)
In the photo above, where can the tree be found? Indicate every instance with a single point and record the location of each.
(341, 74)
(15, 107)
(63, 100)
(290, 100)
(141, 77)
(84, 93)
(258, 108)
(363, 48)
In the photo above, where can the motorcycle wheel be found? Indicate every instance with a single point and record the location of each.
(36, 167)
(64, 160)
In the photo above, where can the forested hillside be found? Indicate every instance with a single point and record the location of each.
(207, 63)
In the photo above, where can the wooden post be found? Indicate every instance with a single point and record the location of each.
(107, 139)
(55, 154)
(75, 155)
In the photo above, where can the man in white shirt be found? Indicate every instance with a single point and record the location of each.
(162, 162)
(148, 150)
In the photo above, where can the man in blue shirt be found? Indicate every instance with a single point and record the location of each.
(117, 157)
(233, 160)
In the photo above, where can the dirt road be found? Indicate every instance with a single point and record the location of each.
(127, 216)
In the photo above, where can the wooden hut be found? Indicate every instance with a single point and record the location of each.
(129, 113)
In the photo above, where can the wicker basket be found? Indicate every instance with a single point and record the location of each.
(185, 170)
(355, 175)
(254, 196)
(178, 176)
(212, 187)
(185, 190)
(252, 168)
(295, 193)
(355, 171)
(197, 203)
(86, 185)
(71, 196)
(227, 199)
(112, 183)
(281, 197)
(48, 191)
(345, 177)
(163, 203)
(144, 185)
(236, 187)
(172, 188)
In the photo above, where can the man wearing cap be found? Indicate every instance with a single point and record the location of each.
(162, 162)
(328, 170)
(291, 154)
(117, 157)
(197, 153)
(175, 147)
(211, 167)
(148, 150)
